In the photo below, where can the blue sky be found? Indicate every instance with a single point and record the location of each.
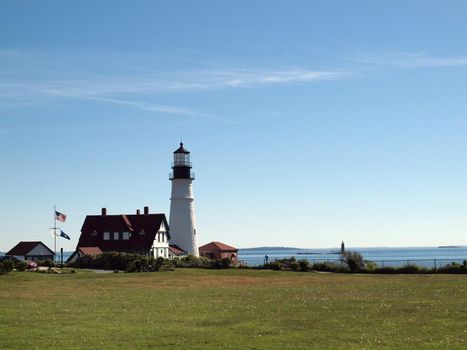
(309, 122)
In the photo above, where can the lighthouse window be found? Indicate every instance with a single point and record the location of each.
(194, 232)
(182, 159)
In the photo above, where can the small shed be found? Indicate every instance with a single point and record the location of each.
(218, 250)
(80, 251)
(35, 250)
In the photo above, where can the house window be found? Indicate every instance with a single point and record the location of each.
(106, 236)
(94, 233)
(116, 236)
(126, 235)
(120, 235)
(142, 232)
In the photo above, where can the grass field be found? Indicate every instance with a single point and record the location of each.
(232, 309)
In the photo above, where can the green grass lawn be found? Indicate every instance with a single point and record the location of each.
(232, 309)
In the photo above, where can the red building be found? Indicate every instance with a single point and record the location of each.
(218, 250)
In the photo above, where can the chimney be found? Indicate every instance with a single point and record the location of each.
(138, 212)
(104, 211)
(146, 210)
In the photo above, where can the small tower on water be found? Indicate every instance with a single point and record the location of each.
(182, 221)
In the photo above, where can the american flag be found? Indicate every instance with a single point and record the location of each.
(60, 217)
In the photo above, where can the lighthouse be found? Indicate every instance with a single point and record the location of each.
(182, 221)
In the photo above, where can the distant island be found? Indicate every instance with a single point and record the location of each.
(449, 246)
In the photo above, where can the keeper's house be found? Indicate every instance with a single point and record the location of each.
(140, 233)
(31, 251)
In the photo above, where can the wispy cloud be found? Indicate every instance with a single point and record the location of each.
(164, 109)
(30, 77)
(411, 60)
(417, 224)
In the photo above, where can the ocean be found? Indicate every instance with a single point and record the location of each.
(421, 256)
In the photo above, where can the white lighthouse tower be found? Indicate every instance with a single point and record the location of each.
(182, 221)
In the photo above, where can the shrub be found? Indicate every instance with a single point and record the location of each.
(287, 264)
(21, 265)
(192, 261)
(275, 265)
(6, 266)
(303, 265)
(353, 260)
(221, 263)
(411, 269)
(385, 270)
(121, 262)
(47, 263)
(454, 268)
(370, 266)
(328, 267)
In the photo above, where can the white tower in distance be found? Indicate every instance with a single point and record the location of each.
(182, 221)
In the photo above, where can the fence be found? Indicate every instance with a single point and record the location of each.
(428, 263)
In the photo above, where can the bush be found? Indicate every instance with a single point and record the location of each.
(47, 263)
(21, 265)
(370, 266)
(454, 268)
(221, 263)
(328, 267)
(286, 264)
(275, 265)
(353, 260)
(118, 261)
(411, 269)
(6, 266)
(385, 270)
(192, 261)
(303, 265)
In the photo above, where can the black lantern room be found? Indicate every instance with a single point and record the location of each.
(181, 165)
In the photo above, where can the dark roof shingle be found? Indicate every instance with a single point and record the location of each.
(23, 248)
(142, 228)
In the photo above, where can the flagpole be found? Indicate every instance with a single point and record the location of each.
(55, 232)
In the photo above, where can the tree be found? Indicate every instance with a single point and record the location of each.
(353, 260)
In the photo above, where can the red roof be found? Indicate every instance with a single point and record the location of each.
(90, 250)
(142, 229)
(23, 248)
(176, 249)
(217, 246)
